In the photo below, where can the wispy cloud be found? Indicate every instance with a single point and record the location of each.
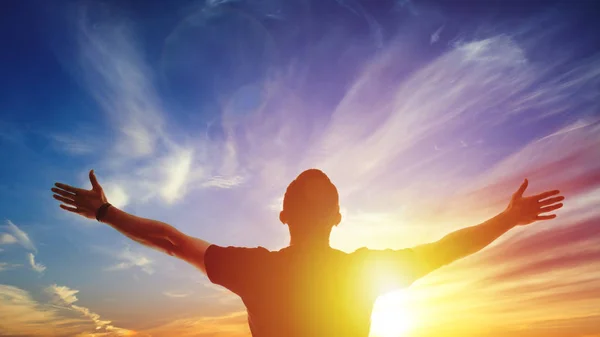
(20, 236)
(71, 145)
(115, 193)
(22, 315)
(146, 161)
(119, 80)
(224, 182)
(6, 238)
(231, 325)
(129, 259)
(8, 266)
(38, 267)
(64, 296)
(176, 169)
(177, 294)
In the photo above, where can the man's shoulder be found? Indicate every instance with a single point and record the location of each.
(232, 266)
(240, 249)
(216, 252)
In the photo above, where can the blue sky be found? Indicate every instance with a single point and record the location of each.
(200, 113)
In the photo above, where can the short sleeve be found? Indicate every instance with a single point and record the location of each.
(233, 267)
(388, 270)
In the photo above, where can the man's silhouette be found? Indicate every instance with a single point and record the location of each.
(309, 288)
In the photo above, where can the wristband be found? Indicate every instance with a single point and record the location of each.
(102, 211)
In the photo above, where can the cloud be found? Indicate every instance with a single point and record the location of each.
(116, 194)
(176, 169)
(38, 267)
(231, 325)
(119, 80)
(6, 238)
(177, 294)
(21, 237)
(223, 182)
(64, 296)
(536, 267)
(8, 266)
(21, 315)
(435, 36)
(131, 259)
(71, 145)
(18, 236)
(147, 160)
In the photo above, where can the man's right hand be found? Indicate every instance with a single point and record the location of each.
(81, 201)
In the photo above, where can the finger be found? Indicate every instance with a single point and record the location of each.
(551, 201)
(550, 208)
(546, 194)
(65, 200)
(95, 185)
(63, 193)
(71, 209)
(71, 189)
(545, 217)
(522, 188)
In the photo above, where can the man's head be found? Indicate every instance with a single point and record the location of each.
(310, 205)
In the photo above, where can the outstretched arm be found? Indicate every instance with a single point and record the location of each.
(152, 233)
(520, 211)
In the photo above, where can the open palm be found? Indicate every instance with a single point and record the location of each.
(77, 200)
(526, 210)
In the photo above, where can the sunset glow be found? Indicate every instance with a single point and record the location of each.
(392, 317)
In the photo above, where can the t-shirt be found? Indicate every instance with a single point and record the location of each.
(296, 292)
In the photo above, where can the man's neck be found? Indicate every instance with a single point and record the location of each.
(310, 243)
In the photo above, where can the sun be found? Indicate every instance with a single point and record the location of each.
(391, 317)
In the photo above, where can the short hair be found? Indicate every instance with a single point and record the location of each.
(311, 196)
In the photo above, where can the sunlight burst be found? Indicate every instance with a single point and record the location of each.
(391, 316)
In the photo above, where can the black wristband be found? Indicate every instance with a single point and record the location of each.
(102, 211)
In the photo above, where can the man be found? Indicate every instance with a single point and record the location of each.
(309, 288)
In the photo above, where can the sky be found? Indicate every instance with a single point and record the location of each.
(427, 115)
